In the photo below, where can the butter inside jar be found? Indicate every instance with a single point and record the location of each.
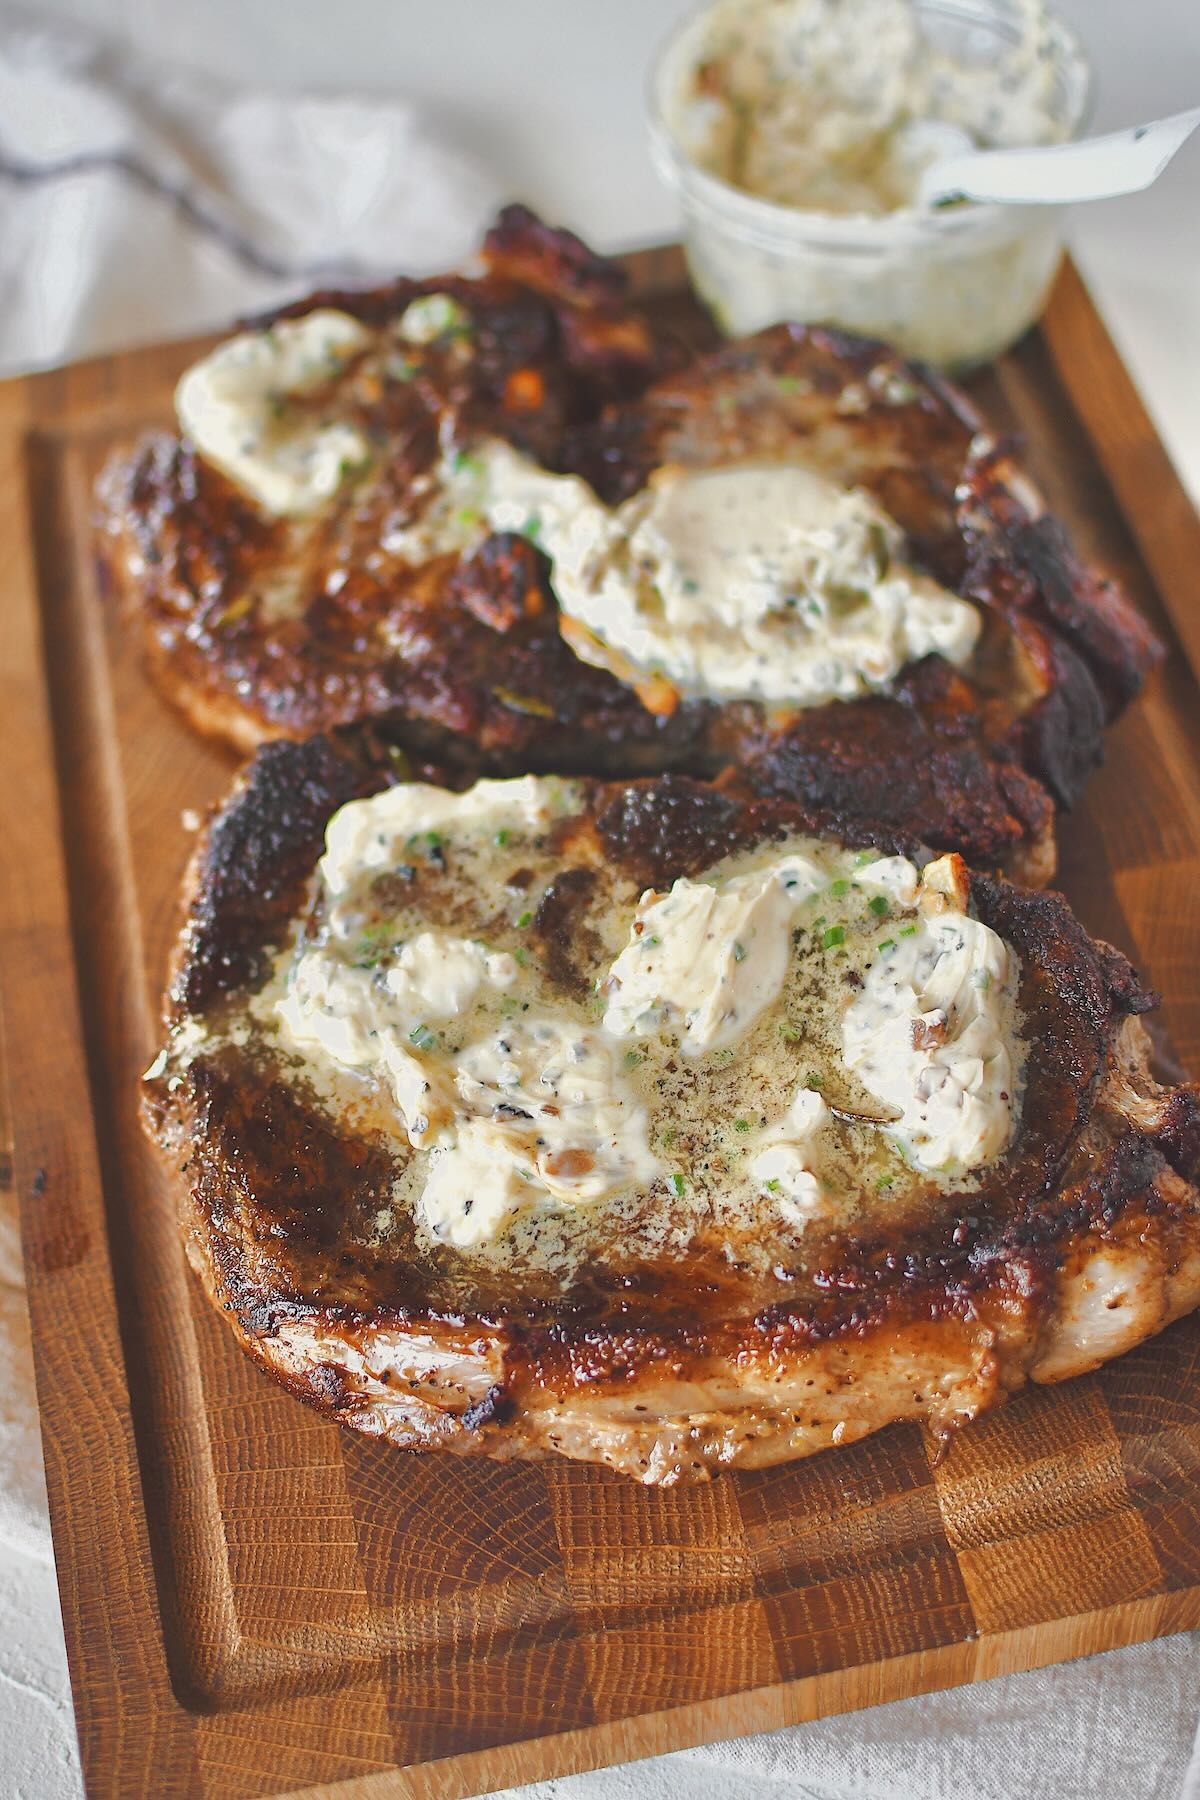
(797, 131)
(822, 104)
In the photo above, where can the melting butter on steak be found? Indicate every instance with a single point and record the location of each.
(752, 581)
(763, 582)
(253, 409)
(531, 1105)
(470, 1160)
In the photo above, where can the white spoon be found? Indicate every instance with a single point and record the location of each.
(1123, 162)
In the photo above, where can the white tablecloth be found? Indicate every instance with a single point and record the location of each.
(193, 202)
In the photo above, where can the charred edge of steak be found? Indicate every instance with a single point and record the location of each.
(1179, 1136)
(1092, 612)
(283, 1197)
(867, 761)
(607, 343)
(1061, 739)
(553, 259)
(1018, 563)
(257, 856)
(657, 830)
(1074, 995)
(518, 246)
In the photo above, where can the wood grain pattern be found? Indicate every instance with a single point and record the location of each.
(257, 1603)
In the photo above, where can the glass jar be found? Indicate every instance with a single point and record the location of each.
(953, 286)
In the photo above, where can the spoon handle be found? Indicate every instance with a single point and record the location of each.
(1098, 168)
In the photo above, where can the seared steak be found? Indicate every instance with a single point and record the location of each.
(394, 602)
(476, 1155)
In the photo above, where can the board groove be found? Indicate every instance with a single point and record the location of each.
(256, 1602)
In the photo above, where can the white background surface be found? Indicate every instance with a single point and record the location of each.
(550, 93)
(547, 93)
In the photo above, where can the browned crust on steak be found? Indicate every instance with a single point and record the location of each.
(1083, 1238)
(468, 651)
(916, 758)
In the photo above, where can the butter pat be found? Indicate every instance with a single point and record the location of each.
(784, 1163)
(252, 409)
(708, 957)
(752, 581)
(927, 1034)
(764, 582)
(516, 1106)
(545, 1114)
(533, 1108)
(366, 836)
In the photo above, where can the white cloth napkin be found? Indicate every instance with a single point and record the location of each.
(140, 203)
(1114, 1727)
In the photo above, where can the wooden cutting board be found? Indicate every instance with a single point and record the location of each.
(258, 1603)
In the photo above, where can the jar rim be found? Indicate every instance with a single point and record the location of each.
(769, 224)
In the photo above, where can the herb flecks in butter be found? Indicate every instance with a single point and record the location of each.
(922, 1035)
(708, 958)
(751, 581)
(740, 1080)
(839, 108)
(254, 409)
